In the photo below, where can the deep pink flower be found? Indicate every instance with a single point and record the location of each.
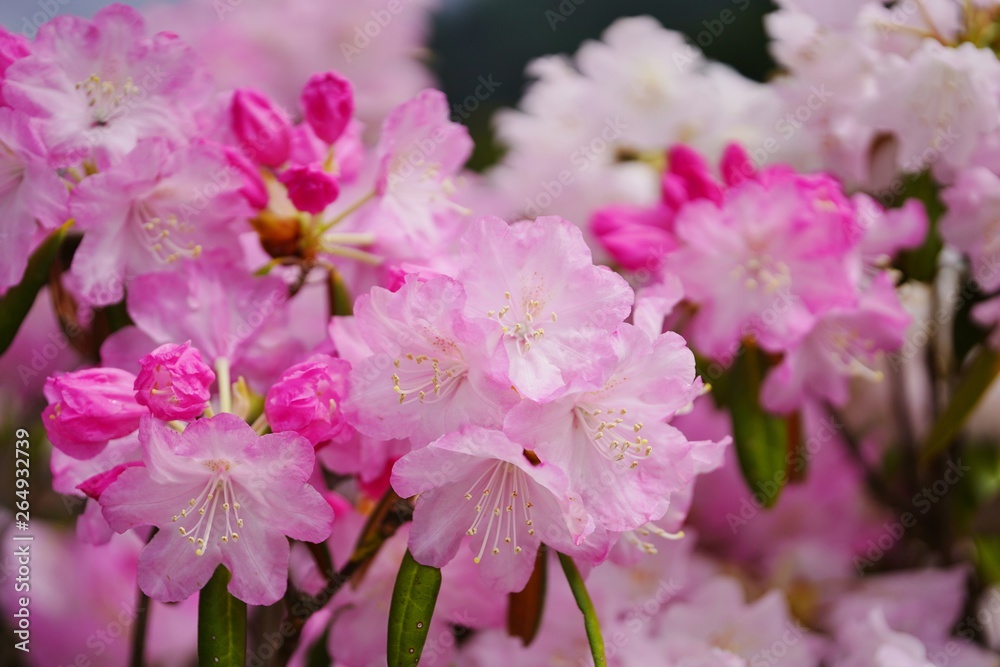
(637, 237)
(262, 128)
(88, 408)
(776, 253)
(219, 493)
(307, 399)
(12, 47)
(99, 86)
(552, 308)
(328, 102)
(613, 441)
(155, 207)
(476, 483)
(174, 382)
(32, 197)
(310, 188)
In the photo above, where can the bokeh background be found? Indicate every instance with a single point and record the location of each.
(471, 38)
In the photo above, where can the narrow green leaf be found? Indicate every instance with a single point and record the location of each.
(976, 379)
(988, 557)
(524, 608)
(338, 295)
(222, 624)
(761, 438)
(390, 513)
(590, 621)
(17, 302)
(413, 600)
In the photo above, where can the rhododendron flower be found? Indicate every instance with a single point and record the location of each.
(174, 382)
(430, 371)
(844, 343)
(970, 222)
(99, 86)
(32, 196)
(157, 206)
(476, 483)
(761, 265)
(310, 188)
(552, 308)
(613, 441)
(328, 103)
(307, 399)
(220, 308)
(419, 152)
(88, 408)
(262, 129)
(219, 493)
(12, 47)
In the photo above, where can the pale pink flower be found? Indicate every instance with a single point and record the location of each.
(430, 369)
(549, 305)
(613, 441)
(477, 483)
(156, 206)
(99, 86)
(970, 222)
(32, 196)
(219, 493)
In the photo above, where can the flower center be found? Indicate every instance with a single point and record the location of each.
(425, 379)
(504, 501)
(165, 233)
(851, 352)
(218, 488)
(521, 321)
(763, 272)
(614, 435)
(106, 98)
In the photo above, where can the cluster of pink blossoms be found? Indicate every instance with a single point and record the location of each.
(287, 325)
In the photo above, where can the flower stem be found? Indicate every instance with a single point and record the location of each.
(590, 621)
(222, 624)
(139, 631)
(225, 385)
(345, 213)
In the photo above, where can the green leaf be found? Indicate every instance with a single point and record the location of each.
(761, 439)
(524, 608)
(17, 302)
(590, 621)
(222, 624)
(338, 295)
(976, 379)
(920, 263)
(413, 600)
(988, 553)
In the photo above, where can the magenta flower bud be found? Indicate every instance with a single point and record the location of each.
(328, 101)
(263, 128)
(88, 408)
(174, 382)
(307, 399)
(310, 188)
(254, 190)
